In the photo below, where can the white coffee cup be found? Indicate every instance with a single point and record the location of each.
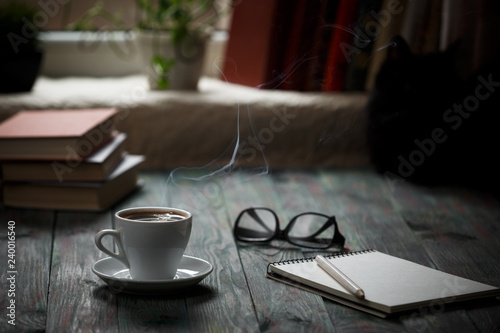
(150, 240)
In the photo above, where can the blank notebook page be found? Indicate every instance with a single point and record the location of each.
(390, 284)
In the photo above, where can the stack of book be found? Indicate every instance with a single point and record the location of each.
(65, 159)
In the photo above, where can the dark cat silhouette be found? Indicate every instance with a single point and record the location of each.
(428, 126)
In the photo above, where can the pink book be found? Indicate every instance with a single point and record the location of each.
(55, 134)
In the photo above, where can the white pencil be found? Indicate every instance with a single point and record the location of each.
(340, 277)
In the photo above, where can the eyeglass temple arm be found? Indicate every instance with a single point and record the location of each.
(337, 237)
(256, 217)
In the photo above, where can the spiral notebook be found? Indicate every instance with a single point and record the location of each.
(390, 284)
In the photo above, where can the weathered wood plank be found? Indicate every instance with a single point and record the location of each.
(228, 305)
(330, 194)
(140, 312)
(454, 226)
(221, 302)
(452, 230)
(33, 245)
(353, 192)
(279, 307)
(76, 300)
(368, 223)
(374, 225)
(459, 245)
(407, 197)
(458, 228)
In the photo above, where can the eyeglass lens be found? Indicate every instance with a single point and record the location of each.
(256, 225)
(311, 230)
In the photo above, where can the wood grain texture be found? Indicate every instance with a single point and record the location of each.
(279, 307)
(368, 219)
(221, 302)
(454, 230)
(152, 313)
(76, 302)
(227, 303)
(33, 245)
(320, 192)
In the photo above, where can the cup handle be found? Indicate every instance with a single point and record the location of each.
(116, 236)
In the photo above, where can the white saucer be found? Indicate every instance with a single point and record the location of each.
(190, 272)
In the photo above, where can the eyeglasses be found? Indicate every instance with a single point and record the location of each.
(312, 230)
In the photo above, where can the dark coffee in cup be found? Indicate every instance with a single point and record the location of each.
(155, 216)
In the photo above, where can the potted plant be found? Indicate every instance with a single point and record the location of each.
(172, 36)
(21, 52)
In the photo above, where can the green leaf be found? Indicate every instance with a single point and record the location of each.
(161, 67)
(162, 83)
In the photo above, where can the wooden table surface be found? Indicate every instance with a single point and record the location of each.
(453, 230)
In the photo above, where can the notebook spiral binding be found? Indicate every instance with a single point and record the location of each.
(309, 259)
